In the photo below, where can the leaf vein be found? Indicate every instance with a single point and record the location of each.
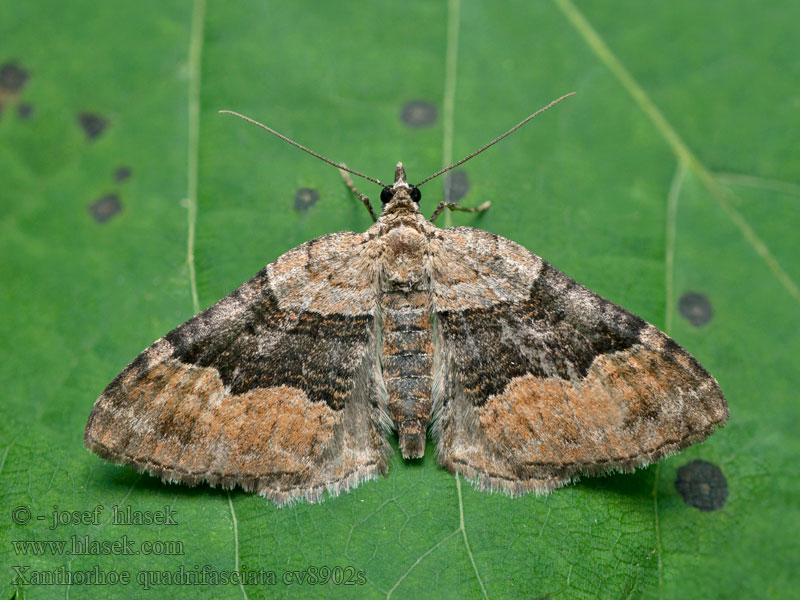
(419, 560)
(679, 147)
(763, 183)
(463, 530)
(195, 56)
(450, 69)
(235, 523)
(669, 252)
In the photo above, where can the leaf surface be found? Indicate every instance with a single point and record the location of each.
(667, 185)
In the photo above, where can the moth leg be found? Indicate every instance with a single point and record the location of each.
(454, 206)
(349, 183)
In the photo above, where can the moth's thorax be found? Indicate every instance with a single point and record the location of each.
(403, 240)
(403, 251)
(401, 205)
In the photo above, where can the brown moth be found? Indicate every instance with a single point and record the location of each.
(290, 385)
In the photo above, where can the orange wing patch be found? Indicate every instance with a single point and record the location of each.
(188, 424)
(630, 404)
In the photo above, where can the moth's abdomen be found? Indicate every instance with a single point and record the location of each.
(408, 366)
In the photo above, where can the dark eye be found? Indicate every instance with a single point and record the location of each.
(416, 195)
(386, 195)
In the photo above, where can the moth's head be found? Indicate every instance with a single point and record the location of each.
(400, 196)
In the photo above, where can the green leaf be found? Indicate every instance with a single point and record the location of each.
(672, 171)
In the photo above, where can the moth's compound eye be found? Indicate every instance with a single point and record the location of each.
(416, 195)
(386, 195)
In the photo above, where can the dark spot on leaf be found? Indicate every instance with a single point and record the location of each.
(12, 77)
(695, 308)
(457, 185)
(702, 485)
(419, 113)
(92, 125)
(305, 198)
(24, 111)
(121, 174)
(105, 208)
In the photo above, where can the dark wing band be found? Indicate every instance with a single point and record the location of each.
(275, 388)
(540, 380)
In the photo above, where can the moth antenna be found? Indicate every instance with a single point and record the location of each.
(303, 148)
(497, 139)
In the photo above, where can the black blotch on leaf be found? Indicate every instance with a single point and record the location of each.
(12, 77)
(24, 111)
(105, 208)
(702, 485)
(305, 198)
(121, 174)
(695, 308)
(93, 125)
(457, 185)
(418, 113)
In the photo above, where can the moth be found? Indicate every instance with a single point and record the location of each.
(290, 385)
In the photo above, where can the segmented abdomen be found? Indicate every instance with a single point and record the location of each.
(408, 365)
